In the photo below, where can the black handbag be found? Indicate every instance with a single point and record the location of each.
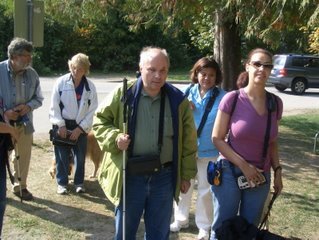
(59, 141)
(146, 164)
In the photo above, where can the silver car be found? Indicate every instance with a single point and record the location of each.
(298, 72)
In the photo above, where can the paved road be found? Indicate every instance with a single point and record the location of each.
(292, 103)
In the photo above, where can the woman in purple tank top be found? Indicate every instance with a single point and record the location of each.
(245, 133)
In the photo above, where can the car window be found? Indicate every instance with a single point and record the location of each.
(279, 61)
(313, 63)
(299, 61)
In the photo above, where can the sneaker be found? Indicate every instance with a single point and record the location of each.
(80, 189)
(62, 190)
(176, 226)
(203, 234)
(25, 195)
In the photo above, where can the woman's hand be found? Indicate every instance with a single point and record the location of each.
(75, 133)
(278, 186)
(253, 175)
(62, 132)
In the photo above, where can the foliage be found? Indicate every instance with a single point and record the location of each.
(6, 31)
(314, 41)
(272, 22)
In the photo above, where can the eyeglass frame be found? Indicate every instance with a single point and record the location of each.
(258, 64)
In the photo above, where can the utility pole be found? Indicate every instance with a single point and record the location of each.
(29, 20)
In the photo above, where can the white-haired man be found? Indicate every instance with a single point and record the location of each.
(158, 168)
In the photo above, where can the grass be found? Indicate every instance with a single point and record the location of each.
(295, 213)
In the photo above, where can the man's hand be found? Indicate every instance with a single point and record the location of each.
(185, 185)
(123, 141)
(11, 114)
(22, 109)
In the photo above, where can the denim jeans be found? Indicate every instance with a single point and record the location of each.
(151, 195)
(62, 154)
(3, 189)
(229, 200)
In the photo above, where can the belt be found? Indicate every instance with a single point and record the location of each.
(167, 165)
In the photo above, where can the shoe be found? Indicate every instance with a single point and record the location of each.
(203, 234)
(62, 190)
(26, 195)
(80, 189)
(176, 226)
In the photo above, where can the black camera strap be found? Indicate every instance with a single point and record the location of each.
(161, 121)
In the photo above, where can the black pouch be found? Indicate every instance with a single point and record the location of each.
(143, 165)
(59, 141)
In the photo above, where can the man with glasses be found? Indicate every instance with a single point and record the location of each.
(20, 94)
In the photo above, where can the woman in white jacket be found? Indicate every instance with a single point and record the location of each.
(73, 103)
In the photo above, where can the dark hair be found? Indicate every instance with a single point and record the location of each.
(205, 62)
(242, 80)
(258, 50)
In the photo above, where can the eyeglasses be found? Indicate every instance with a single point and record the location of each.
(259, 65)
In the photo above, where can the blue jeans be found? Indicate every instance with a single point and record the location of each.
(3, 188)
(62, 154)
(151, 195)
(230, 201)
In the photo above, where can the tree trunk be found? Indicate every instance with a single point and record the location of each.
(227, 49)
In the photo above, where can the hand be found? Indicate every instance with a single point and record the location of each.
(278, 186)
(74, 134)
(123, 141)
(22, 109)
(62, 132)
(11, 114)
(253, 175)
(185, 185)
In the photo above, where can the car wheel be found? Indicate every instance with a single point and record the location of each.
(298, 86)
(280, 88)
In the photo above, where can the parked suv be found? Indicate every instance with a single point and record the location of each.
(294, 71)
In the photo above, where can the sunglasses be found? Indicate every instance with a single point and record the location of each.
(259, 65)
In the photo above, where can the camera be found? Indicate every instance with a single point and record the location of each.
(243, 183)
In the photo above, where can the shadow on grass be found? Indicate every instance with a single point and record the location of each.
(61, 214)
(304, 203)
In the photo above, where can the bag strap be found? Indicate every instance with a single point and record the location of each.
(161, 121)
(208, 108)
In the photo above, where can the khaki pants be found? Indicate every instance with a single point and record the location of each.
(21, 164)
